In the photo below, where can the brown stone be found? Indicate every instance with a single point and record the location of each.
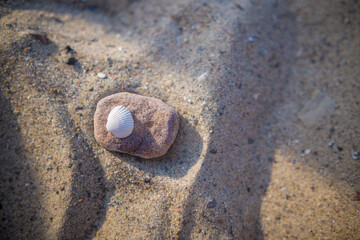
(155, 125)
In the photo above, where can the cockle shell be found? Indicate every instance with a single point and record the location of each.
(120, 122)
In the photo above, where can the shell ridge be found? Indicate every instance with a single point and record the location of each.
(120, 122)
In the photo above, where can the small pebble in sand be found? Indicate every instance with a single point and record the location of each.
(110, 61)
(71, 61)
(307, 151)
(101, 75)
(168, 83)
(42, 37)
(355, 154)
(202, 76)
(239, 6)
(250, 39)
(69, 49)
(212, 204)
(213, 151)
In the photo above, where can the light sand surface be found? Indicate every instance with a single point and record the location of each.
(268, 94)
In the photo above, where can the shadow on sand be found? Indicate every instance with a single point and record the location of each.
(225, 199)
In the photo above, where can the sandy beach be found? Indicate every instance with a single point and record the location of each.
(268, 96)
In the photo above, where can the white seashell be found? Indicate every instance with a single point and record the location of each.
(120, 122)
